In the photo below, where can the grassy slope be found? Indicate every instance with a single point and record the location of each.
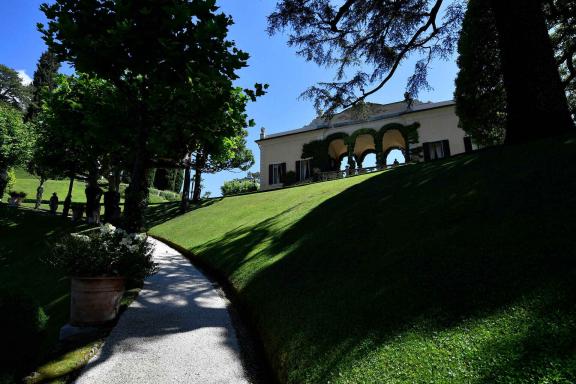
(457, 271)
(28, 183)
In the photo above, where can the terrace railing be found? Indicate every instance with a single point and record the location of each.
(333, 175)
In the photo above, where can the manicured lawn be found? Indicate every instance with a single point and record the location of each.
(455, 271)
(28, 183)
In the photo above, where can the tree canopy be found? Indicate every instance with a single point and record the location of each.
(366, 41)
(480, 94)
(12, 91)
(165, 58)
(16, 141)
(44, 81)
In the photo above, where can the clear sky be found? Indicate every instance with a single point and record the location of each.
(271, 61)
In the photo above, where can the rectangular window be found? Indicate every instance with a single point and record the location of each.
(276, 173)
(304, 171)
(436, 150)
(276, 170)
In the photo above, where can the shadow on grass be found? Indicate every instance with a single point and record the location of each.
(429, 246)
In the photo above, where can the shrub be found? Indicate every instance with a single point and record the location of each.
(107, 251)
(236, 186)
(11, 179)
(290, 178)
(18, 195)
(22, 323)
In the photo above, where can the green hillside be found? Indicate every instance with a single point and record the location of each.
(455, 271)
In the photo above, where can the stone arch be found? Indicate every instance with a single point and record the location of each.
(395, 136)
(363, 145)
(393, 139)
(337, 148)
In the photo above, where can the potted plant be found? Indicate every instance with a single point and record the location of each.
(99, 262)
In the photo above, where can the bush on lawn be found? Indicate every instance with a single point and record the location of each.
(236, 186)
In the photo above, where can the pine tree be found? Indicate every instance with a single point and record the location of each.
(44, 80)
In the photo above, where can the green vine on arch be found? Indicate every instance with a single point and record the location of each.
(317, 150)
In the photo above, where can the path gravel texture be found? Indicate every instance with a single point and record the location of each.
(178, 330)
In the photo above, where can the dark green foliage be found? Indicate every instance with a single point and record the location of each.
(480, 95)
(44, 81)
(237, 186)
(317, 150)
(23, 245)
(562, 25)
(22, 323)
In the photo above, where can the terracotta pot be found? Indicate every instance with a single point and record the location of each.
(95, 300)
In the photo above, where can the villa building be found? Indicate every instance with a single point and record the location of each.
(422, 131)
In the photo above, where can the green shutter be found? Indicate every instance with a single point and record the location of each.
(446, 148)
(270, 174)
(298, 170)
(426, 150)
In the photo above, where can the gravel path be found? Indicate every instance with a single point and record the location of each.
(178, 330)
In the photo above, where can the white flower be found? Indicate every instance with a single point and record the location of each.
(139, 237)
(107, 228)
(80, 237)
(126, 241)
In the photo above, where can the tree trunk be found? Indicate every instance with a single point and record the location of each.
(93, 194)
(39, 193)
(68, 200)
(3, 181)
(536, 102)
(186, 190)
(197, 182)
(112, 198)
(136, 197)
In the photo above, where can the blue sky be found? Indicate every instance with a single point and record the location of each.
(272, 62)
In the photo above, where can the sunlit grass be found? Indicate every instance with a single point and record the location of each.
(455, 271)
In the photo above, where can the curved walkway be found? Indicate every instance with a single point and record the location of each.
(178, 330)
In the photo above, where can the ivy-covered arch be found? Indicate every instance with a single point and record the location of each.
(318, 150)
(409, 134)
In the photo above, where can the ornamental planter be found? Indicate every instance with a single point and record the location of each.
(95, 300)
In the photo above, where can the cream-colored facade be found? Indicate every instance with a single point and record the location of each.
(436, 125)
